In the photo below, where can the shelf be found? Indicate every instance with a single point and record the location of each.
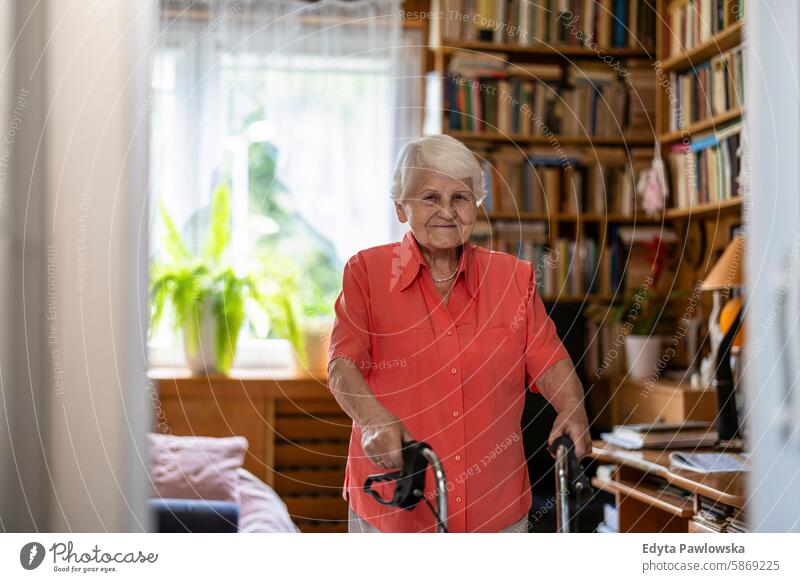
(578, 298)
(547, 217)
(703, 209)
(672, 504)
(720, 42)
(699, 126)
(558, 139)
(541, 50)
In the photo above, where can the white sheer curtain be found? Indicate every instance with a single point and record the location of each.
(333, 85)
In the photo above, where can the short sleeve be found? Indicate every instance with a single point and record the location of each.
(543, 347)
(350, 337)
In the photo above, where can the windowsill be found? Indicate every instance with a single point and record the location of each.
(238, 374)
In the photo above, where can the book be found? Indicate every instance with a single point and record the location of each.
(591, 23)
(668, 435)
(712, 87)
(485, 94)
(696, 21)
(707, 170)
(708, 462)
(662, 435)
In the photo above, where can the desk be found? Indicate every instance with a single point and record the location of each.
(642, 507)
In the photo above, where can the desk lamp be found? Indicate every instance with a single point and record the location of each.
(726, 275)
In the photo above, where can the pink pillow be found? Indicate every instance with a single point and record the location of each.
(196, 467)
(261, 510)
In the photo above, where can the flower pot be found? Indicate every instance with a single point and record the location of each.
(642, 353)
(317, 332)
(199, 341)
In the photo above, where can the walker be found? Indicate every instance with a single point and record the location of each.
(572, 485)
(410, 482)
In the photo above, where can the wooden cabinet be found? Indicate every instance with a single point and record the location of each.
(297, 434)
(663, 400)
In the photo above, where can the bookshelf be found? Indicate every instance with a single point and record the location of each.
(552, 59)
(700, 97)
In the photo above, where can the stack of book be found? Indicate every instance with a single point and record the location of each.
(590, 23)
(707, 170)
(595, 101)
(581, 268)
(578, 180)
(662, 435)
(603, 337)
(715, 516)
(641, 83)
(713, 87)
(696, 21)
(483, 94)
(737, 522)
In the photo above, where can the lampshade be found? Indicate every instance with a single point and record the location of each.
(727, 273)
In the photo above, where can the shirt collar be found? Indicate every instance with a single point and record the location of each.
(411, 261)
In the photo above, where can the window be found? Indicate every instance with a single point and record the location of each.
(305, 142)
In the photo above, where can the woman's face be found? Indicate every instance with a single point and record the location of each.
(440, 210)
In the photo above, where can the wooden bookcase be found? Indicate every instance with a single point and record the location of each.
(710, 222)
(576, 226)
(688, 60)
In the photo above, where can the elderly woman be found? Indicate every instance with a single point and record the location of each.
(437, 340)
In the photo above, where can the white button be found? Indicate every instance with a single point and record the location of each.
(458, 457)
(449, 332)
(453, 370)
(455, 413)
(458, 500)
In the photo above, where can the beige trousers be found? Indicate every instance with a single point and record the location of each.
(358, 525)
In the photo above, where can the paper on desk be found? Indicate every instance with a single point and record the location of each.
(708, 462)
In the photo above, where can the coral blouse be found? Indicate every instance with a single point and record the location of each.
(454, 374)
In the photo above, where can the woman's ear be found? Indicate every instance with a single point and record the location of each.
(401, 212)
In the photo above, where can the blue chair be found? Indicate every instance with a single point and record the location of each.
(195, 516)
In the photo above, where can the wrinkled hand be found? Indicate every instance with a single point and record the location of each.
(575, 425)
(382, 439)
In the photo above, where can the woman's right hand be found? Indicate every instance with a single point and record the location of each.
(382, 439)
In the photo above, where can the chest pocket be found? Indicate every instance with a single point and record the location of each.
(496, 374)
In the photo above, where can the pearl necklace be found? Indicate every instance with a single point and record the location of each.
(444, 279)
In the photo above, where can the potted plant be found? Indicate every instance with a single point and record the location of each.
(645, 317)
(211, 299)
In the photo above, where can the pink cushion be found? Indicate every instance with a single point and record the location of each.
(260, 509)
(196, 467)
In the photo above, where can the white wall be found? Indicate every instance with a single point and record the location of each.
(773, 337)
(73, 350)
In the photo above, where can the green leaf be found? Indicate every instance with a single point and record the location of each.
(172, 242)
(219, 229)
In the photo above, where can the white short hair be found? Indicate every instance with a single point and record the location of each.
(440, 153)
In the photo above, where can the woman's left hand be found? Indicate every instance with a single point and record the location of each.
(575, 425)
